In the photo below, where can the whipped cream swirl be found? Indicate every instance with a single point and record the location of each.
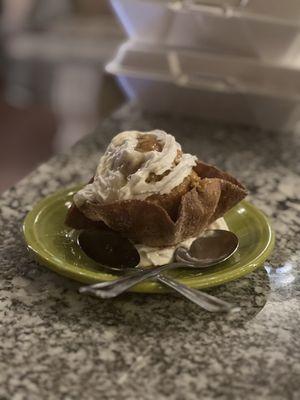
(123, 171)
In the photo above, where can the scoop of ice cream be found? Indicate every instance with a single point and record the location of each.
(137, 165)
(151, 256)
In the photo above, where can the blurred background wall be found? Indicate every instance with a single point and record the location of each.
(231, 61)
(52, 86)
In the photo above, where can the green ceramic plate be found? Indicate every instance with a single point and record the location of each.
(55, 246)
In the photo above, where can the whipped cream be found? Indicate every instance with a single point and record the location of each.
(151, 256)
(122, 171)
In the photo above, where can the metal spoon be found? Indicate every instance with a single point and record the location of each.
(118, 254)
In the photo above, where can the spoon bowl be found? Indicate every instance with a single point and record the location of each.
(109, 249)
(212, 247)
(117, 253)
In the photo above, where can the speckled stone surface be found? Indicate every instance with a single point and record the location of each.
(56, 344)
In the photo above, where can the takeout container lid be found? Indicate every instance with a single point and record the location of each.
(265, 29)
(167, 78)
(268, 10)
(206, 70)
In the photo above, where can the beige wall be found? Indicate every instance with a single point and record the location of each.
(92, 6)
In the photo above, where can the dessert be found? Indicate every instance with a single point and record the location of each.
(146, 188)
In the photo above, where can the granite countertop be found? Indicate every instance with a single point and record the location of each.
(57, 344)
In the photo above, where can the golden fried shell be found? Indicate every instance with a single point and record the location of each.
(163, 220)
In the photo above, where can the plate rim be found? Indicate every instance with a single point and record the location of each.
(147, 287)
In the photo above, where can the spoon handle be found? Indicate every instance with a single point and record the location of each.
(202, 299)
(118, 286)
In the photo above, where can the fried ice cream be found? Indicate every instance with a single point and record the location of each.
(147, 189)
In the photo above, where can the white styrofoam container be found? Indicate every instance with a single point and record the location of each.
(229, 89)
(265, 29)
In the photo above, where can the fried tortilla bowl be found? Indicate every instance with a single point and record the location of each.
(165, 220)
